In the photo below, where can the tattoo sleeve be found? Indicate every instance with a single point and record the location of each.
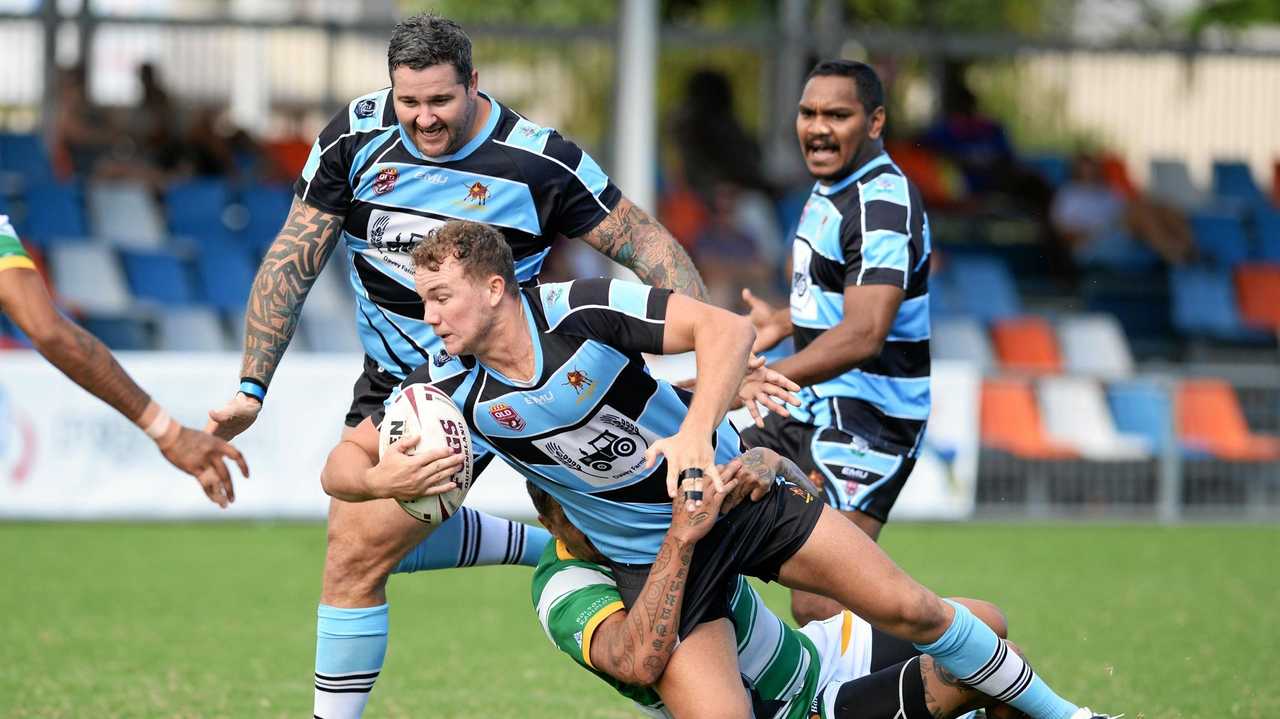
(637, 241)
(284, 279)
(639, 648)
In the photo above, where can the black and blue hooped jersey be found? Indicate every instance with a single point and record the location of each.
(527, 181)
(869, 228)
(579, 429)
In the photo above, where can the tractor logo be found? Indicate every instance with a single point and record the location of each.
(504, 415)
(477, 193)
(607, 448)
(386, 180)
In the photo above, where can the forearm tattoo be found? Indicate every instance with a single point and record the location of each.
(637, 241)
(91, 365)
(648, 636)
(284, 279)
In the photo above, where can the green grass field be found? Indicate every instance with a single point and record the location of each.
(218, 620)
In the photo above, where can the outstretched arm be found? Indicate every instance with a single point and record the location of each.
(640, 243)
(287, 274)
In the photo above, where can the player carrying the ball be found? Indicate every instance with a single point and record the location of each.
(554, 383)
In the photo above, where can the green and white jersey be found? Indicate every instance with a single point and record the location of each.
(12, 254)
(786, 667)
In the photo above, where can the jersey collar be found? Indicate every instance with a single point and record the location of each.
(877, 161)
(495, 111)
(537, 350)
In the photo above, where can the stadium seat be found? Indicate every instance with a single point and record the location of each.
(195, 210)
(1268, 227)
(329, 331)
(963, 339)
(1095, 345)
(1026, 344)
(1210, 419)
(1055, 169)
(331, 293)
(268, 208)
(1171, 182)
(225, 274)
(159, 277)
(88, 277)
(1076, 415)
(1220, 237)
(1011, 421)
(119, 333)
(1235, 180)
(125, 213)
(1258, 288)
(54, 212)
(1142, 408)
(1204, 305)
(980, 286)
(25, 156)
(191, 329)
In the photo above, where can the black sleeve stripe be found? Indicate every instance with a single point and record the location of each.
(881, 215)
(657, 307)
(592, 292)
(883, 276)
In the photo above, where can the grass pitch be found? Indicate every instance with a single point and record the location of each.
(218, 620)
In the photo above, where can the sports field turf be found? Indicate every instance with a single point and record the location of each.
(217, 620)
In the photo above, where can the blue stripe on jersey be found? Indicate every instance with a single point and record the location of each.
(529, 267)
(591, 175)
(631, 298)
(886, 187)
(558, 405)
(313, 161)
(529, 136)
(912, 321)
(820, 225)
(495, 112)
(904, 397)
(927, 241)
(498, 201)
(880, 160)
(845, 455)
(830, 310)
(887, 249)
(366, 151)
(555, 301)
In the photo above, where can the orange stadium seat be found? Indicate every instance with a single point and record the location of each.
(1027, 344)
(1258, 294)
(1116, 174)
(1210, 419)
(1011, 421)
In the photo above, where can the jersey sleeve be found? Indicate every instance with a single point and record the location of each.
(877, 243)
(572, 598)
(627, 315)
(325, 181)
(13, 255)
(572, 192)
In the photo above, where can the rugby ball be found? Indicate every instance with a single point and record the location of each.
(421, 409)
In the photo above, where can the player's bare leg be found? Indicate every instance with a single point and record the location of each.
(809, 607)
(842, 562)
(702, 679)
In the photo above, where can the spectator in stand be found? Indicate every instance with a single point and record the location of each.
(1099, 224)
(730, 258)
(85, 143)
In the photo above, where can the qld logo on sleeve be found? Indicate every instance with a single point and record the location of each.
(385, 181)
(506, 416)
(606, 450)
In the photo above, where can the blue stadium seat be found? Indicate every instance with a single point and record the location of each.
(226, 274)
(1171, 182)
(1234, 180)
(268, 207)
(54, 212)
(125, 213)
(1055, 169)
(1204, 305)
(980, 286)
(1142, 408)
(1268, 227)
(119, 333)
(1221, 238)
(195, 210)
(158, 276)
(25, 155)
(190, 329)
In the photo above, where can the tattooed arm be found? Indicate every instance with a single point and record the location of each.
(288, 271)
(634, 646)
(638, 242)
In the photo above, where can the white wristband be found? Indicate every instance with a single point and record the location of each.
(159, 426)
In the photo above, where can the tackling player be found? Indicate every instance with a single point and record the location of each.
(390, 167)
(859, 311)
(555, 383)
(89, 363)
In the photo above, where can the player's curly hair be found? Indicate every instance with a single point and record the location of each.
(427, 39)
(870, 90)
(479, 248)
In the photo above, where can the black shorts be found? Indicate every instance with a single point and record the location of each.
(852, 474)
(754, 539)
(372, 389)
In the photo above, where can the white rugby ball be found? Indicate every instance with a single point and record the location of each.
(423, 410)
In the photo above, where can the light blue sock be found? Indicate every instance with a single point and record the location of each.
(471, 539)
(982, 660)
(350, 647)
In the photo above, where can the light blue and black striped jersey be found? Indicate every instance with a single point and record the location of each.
(527, 181)
(580, 427)
(869, 228)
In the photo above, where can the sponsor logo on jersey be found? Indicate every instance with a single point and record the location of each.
(608, 448)
(799, 492)
(529, 130)
(853, 472)
(435, 178)
(504, 415)
(378, 236)
(852, 488)
(553, 295)
(583, 385)
(442, 358)
(366, 108)
(800, 283)
(477, 193)
(543, 398)
(386, 180)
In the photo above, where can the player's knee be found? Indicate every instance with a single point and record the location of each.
(990, 615)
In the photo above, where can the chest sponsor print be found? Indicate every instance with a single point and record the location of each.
(803, 304)
(606, 450)
(392, 236)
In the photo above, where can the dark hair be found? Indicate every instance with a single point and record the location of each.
(870, 91)
(543, 502)
(424, 40)
(481, 250)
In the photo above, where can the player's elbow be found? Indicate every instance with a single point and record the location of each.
(649, 671)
